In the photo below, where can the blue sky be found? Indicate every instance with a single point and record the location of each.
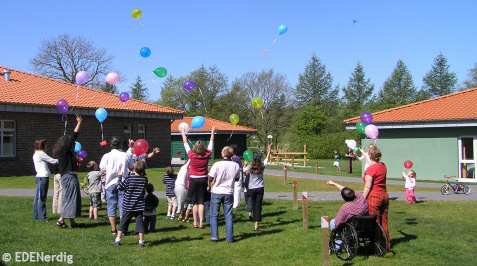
(232, 34)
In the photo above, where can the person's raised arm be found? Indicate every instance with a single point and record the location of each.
(154, 152)
(184, 140)
(366, 156)
(265, 162)
(338, 186)
(79, 119)
(368, 183)
(212, 137)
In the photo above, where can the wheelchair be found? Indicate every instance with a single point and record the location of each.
(346, 239)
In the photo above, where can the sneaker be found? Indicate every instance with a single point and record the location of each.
(116, 243)
(168, 216)
(172, 217)
(214, 240)
(141, 245)
(255, 228)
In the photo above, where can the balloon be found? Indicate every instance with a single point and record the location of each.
(82, 154)
(270, 136)
(136, 13)
(257, 102)
(248, 155)
(77, 146)
(264, 50)
(282, 29)
(160, 72)
(124, 97)
(360, 126)
(101, 114)
(197, 122)
(189, 85)
(81, 77)
(351, 143)
(185, 126)
(112, 78)
(371, 131)
(366, 117)
(62, 106)
(408, 164)
(356, 149)
(145, 52)
(234, 119)
(140, 147)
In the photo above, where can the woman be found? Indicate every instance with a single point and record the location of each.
(40, 159)
(71, 197)
(180, 189)
(199, 168)
(255, 184)
(375, 191)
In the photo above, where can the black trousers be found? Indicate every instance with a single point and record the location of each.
(126, 219)
(256, 196)
(150, 220)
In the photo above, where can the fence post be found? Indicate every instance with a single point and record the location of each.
(316, 165)
(325, 240)
(304, 151)
(305, 210)
(284, 174)
(293, 162)
(295, 196)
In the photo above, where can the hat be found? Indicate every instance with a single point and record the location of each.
(257, 157)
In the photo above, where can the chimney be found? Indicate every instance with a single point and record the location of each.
(6, 74)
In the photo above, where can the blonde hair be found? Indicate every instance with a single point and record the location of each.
(228, 152)
(375, 154)
(199, 148)
(413, 173)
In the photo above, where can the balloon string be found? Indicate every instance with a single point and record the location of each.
(64, 118)
(203, 100)
(261, 113)
(231, 133)
(140, 61)
(102, 137)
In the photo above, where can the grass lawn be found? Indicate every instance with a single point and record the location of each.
(428, 233)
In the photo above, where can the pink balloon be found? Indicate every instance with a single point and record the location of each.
(371, 131)
(112, 78)
(81, 77)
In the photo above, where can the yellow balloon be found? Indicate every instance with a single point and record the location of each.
(136, 13)
(257, 102)
(234, 119)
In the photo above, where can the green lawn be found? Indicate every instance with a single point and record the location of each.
(428, 233)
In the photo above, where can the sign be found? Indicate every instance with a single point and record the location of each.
(294, 183)
(305, 195)
(325, 222)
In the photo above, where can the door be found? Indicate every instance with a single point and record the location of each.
(467, 156)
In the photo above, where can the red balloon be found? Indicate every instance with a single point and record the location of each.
(140, 147)
(408, 164)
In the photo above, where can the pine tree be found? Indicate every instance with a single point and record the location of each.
(358, 91)
(139, 90)
(109, 88)
(471, 82)
(398, 89)
(439, 81)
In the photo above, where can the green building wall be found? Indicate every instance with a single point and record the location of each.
(221, 140)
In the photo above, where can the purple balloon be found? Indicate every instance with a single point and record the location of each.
(82, 154)
(189, 85)
(81, 77)
(62, 106)
(124, 97)
(366, 117)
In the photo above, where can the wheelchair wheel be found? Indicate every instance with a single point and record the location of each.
(344, 242)
(380, 242)
(466, 189)
(445, 190)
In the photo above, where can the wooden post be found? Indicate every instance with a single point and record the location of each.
(293, 162)
(325, 241)
(304, 151)
(305, 210)
(284, 174)
(316, 166)
(295, 196)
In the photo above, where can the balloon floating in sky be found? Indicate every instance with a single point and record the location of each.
(112, 78)
(197, 122)
(264, 50)
(136, 13)
(101, 114)
(62, 106)
(124, 97)
(189, 85)
(81, 77)
(257, 102)
(282, 29)
(234, 119)
(145, 52)
(160, 72)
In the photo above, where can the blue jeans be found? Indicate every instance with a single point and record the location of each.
(39, 204)
(207, 211)
(228, 202)
(113, 198)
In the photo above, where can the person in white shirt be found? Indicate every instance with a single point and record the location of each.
(365, 155)
(40, 159)
(134, 158)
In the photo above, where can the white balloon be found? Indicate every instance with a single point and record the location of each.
(184, 126)
(270, 136)
(351, 143)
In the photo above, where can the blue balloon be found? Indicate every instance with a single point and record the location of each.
(197, 122)
(77, 146)
(282, 29)
(145, 52)
(101, 114)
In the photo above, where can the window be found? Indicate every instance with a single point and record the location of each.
(127, 131)
(141, 130)
(467, 158)
(7, 138)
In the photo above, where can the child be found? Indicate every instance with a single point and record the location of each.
(133, 201)
(170, 180)
(150, 209)
(95, 188)
(337, 160)
(410, 184)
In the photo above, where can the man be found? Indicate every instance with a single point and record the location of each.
(112, 162)
(349, 161)
(222, 177)
(355, 205)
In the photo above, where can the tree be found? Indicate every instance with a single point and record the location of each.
(139, 90)
(439, 81)
(471, 82)
(358, 91)
(109, 88)
(398, 89)
(309, 120)
(64, 56)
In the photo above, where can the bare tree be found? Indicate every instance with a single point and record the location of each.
(64, 56)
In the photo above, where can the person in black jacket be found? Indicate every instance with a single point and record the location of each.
(150, 209)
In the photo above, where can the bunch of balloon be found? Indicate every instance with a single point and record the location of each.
(365, 126)
(62, 106)
(101, 115)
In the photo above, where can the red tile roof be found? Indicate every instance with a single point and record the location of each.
(209, 123)
(456, 106)
(26, 88)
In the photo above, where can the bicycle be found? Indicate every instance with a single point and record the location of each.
(445, 190)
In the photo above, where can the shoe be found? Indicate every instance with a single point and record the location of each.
(255, 228)
(214, 240)
(46, 219)
(141, 245)
(115, 232)
(168, 216)
(115, 243)
(172, 217)
(61, 224)
(201, 227)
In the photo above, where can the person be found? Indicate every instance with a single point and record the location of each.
(40, 160)
(355, 204)
(151, 204)
(170, 180)
(199, 158)
(337, 160)
(410, 184)
(222, 177)
(375, 189)
(134, 201)
(256, 186)
(238, 184)
(57, 190)
(365, 156)
(95, 187)
(180, 189)
(111, 163)
(349, 161)
(67, 166)
(129, 145)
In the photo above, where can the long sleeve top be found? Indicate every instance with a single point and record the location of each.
(256, 180)
(410, 182)
(182, 176)
(40, 159)
(199, 165)
(66, 157)
(170, 181)
(134, 190)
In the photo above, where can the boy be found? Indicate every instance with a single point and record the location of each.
(337, 160)
(95, 188)
(133, 201)
(150, 209)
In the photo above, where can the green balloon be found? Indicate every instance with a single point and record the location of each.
(360, 126)
(248, 155)
(356, 149)
(160, 72)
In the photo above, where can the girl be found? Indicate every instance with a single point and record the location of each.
(170, 180)
(410, 184)
(365, 155)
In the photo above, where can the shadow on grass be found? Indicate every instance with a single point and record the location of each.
(393, 198)
(169, 240)
(256, 233)
(95, 224)
(172, 228)
(271, 214)
(404, 239)
(411, 221)
(280, 222)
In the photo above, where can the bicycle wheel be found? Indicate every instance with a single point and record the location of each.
(445, 190)
(466, 190)
(345, 242)
(380, 242)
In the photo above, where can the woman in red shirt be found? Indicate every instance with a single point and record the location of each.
(375, 189)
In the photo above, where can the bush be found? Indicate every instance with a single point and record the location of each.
(322, 146)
